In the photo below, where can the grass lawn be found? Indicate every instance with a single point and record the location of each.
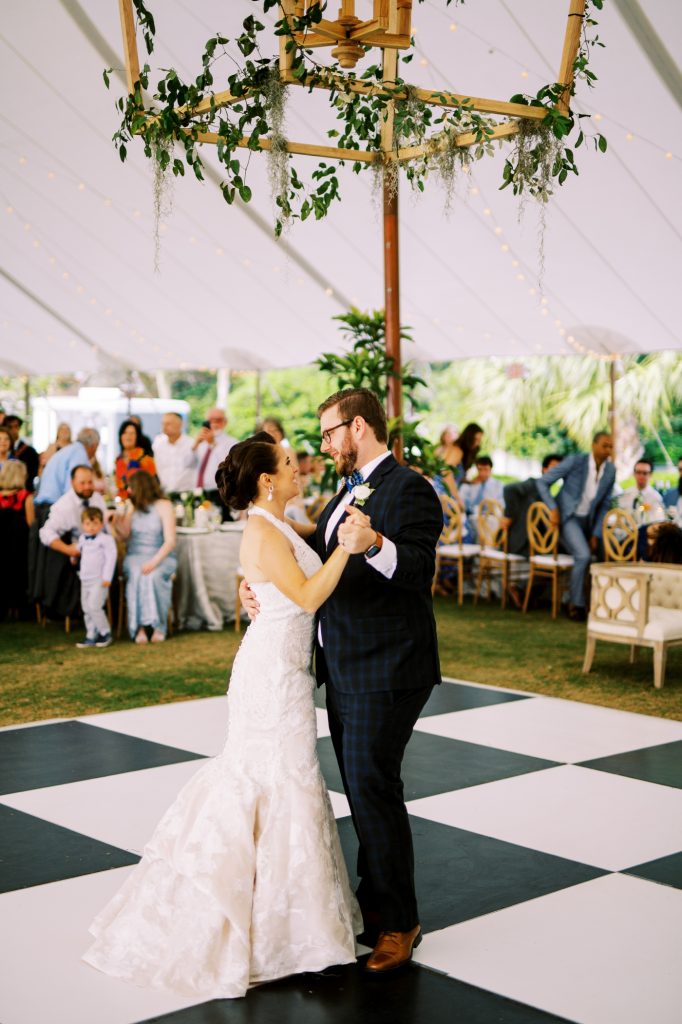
(42, 674)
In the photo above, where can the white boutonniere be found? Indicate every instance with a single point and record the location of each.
(361, 492)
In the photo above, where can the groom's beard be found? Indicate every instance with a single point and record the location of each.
(348, 460)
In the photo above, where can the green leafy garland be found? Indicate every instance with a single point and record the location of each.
(540, 158)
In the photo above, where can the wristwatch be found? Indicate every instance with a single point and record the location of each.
(374, 548)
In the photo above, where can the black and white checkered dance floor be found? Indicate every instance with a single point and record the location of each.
(548, 840)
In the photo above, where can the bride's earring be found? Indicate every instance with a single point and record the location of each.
(270, 493)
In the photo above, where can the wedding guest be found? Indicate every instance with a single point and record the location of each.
(460, 457)
(131, 457)
(518, 497)
(305, 469)
(16, 516)
(96, 571)
(52, 577)
(5, 446)
(448, 436)
(643, 498)
(674, 494)
(667, 544)
(274, 427)
(61, 440)
(174, 455)
(150, 561)
(484, 485)
(145, 442)
(211, 445)
(56, 478)
(22, 450)
(579, 509)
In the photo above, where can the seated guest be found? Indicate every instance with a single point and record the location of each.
(484, 485)
(212, 444)
(667, 544)
(305, 470)
(22, 450)
(150, 561)
(56, 478)
(643, 498)
(448, 436)
(274, 427)
(5, 446)
(16, 516)
(62, 439)
(53, 578)
(460, 457)
(518, 497)
(579, 509)
(674, 494)
(131, 457)
(174, 455)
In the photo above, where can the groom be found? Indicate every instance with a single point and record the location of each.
(377, 653)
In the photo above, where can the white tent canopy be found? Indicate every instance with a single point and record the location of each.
(78, 290)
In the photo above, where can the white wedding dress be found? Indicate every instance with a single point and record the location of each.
(243, 880)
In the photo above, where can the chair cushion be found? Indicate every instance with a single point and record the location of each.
(563, 561)
(501, 556)
(663, 624)
(457, 550)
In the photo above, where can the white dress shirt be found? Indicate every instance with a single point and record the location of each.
(98, 557)
(648, 496)
(386, 560)
(591, 485)
(65, 516)
(219, 449)
(176, 463)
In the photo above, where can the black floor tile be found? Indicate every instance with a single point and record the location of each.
(345, 995)
(437, 764)
(661, 764)
(460, 875)
(451, 697)
(51, 755)
(34, 852)
(460, 697)
(667, 870)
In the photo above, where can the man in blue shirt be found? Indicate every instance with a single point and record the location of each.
(672, 496)
(56, 478)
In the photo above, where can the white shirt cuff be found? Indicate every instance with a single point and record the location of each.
(386, 560)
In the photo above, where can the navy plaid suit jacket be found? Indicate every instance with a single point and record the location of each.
(380, 634)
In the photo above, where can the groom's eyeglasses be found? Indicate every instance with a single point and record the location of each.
(327, 434)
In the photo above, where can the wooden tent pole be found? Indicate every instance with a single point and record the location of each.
(391, 254)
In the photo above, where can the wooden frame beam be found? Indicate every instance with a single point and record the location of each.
(574, 27)
(132, 60)
(463, 141)
(300, 148)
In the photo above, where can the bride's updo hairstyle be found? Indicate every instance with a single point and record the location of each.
(238, 473)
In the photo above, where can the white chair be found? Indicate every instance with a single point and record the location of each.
(638, 605)
(452, 550)
(494, 558)
(545, 561)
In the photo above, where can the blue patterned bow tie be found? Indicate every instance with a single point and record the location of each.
(353, 480)
(89, 536)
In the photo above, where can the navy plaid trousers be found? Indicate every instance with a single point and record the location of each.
(370, 732)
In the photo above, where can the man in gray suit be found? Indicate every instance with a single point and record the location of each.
(579, 509)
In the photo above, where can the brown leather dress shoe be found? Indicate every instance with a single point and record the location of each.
(393, 950)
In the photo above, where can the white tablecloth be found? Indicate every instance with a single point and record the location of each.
(205, 584)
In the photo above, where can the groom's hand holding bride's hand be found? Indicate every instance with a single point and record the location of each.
(356, 533)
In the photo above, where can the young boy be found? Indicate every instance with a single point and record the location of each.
(98, 561)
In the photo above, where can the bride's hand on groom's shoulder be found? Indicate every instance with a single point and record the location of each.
(248, 600)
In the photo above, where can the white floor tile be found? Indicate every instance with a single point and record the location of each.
(196, 725)
(558, 730)
(596, 818)
(43, 934)
(119, 809)
(340, 805)
(322, 723)
(604, 952)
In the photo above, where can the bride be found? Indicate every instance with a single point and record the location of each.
(243, 880)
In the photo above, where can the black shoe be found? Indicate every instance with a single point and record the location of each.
(90, 641)
(576, 613)
(104, 640)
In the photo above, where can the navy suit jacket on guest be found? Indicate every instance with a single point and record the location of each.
(573, 472)
(380, 633)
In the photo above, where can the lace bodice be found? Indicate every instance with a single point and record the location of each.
(308, 560)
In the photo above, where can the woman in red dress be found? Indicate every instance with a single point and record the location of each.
(16, 516)
(132, 457)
